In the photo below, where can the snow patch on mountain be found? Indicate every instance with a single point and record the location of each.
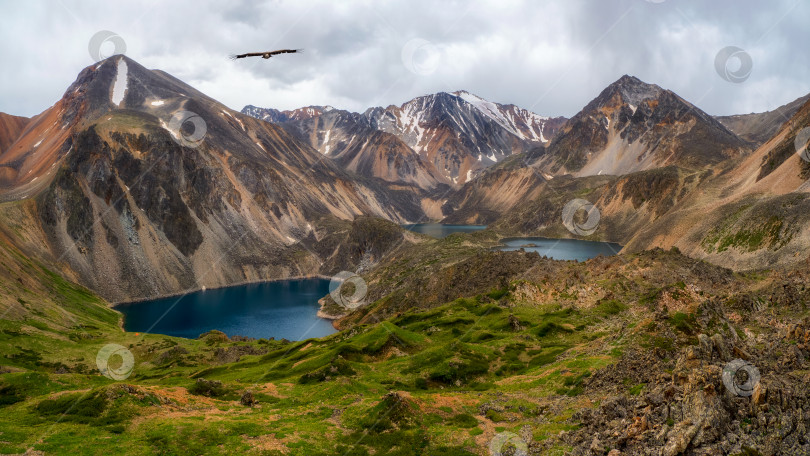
(508, 118)
(326, 145)
(171, 132)
(120, 84)
(234, 118)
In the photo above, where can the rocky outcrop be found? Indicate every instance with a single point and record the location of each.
(691, 411)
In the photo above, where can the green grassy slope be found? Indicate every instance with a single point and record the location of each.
(525, 356)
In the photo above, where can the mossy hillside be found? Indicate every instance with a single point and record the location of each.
(755, 225)
(317, 396)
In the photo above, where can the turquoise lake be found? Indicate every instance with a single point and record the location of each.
(285, 309)
(288, 309)
(562, 249)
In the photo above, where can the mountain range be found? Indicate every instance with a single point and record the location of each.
(136, 185)
(117, 186)
(448, 137)
(118, 197)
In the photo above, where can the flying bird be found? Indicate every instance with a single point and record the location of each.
(266, 55)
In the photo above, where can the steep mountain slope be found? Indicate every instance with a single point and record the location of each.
(494, 192)
(28, 163)
(10, 129)
(522, 123)
(137, 198)
(757, 128)
(459, 133)
(354, 144)
(633, 126)
(454, 134)
(751, 214)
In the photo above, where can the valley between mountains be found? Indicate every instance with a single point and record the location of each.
(135, 185)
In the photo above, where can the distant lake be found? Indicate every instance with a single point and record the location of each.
(439, 230)
(562, 249)
(285, 309)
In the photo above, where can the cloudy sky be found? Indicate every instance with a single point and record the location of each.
(548, 56)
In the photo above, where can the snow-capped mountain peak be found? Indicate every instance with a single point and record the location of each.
(458, 133)
(520, 122)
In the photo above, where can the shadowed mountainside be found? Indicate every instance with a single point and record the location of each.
(121, 194)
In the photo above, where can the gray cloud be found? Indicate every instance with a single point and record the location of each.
(549, 56)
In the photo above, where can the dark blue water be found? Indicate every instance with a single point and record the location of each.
(439, 230)
(562, 249)
(284, 309)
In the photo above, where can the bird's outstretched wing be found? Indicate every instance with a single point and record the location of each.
(285, 51)
(267, 54)
(249, 54)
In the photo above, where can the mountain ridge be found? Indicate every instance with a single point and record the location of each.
(757, 128)
(455, 134)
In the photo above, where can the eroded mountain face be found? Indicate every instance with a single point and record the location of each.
(140, 202)
(452, 136)
(10, 129)
(633, 126)
(350, 140)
